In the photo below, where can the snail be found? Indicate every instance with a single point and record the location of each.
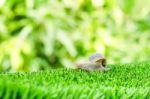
(96, 62)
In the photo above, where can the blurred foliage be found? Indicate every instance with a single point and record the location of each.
(42, 34)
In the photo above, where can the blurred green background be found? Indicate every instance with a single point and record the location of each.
(42, 34)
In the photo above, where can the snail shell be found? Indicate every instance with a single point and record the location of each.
(98, 58)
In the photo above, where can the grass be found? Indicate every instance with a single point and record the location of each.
(122, 81)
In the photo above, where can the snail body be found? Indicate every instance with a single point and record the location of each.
(96, 62)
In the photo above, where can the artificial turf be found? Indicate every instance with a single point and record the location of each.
(123, 81)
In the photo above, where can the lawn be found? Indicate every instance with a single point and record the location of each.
(122, 81)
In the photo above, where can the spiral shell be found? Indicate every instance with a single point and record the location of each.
(95, 57)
